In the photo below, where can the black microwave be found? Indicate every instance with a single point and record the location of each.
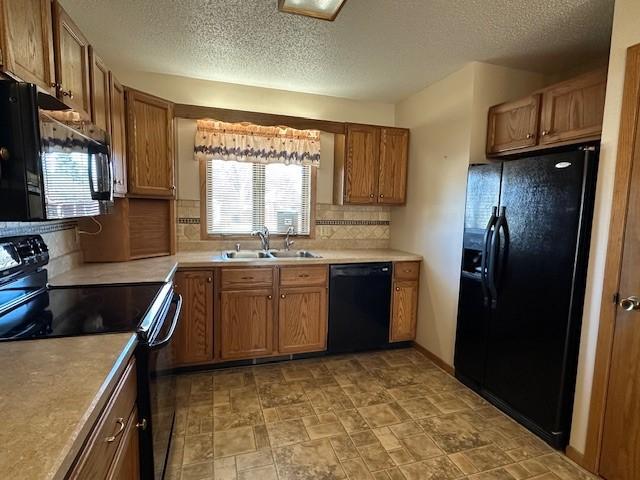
(52, 165)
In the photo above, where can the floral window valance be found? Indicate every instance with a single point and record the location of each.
(246, 142)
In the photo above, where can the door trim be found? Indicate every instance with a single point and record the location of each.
(629, 123)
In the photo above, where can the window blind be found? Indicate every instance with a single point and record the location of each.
(243, 197)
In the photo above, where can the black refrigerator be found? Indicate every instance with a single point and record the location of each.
(525, 251)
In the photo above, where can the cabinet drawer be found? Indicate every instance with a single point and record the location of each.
(100, 450)
(303, 276)
(406, 270)
(241, 278)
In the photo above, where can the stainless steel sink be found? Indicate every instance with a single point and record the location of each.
(292, 254)
(248, 254)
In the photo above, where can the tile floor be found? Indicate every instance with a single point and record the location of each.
(389, 415)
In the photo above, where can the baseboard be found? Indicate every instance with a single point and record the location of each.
(434, 358)
(575, 456)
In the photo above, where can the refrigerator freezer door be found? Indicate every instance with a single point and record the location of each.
(528, 364)
(483, 196)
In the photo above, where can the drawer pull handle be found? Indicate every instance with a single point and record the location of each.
(247, 278)
(121, 425)
(408, 271)
(304, 275)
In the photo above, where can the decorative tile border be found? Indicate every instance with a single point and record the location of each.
(196, 221)
(10, 229)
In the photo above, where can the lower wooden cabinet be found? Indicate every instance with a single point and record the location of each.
(302, 319)
(404, 301)
(194, 337)
(246, 323)
(112, 449)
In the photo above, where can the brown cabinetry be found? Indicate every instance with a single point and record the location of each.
(112, 446)
(404, 301)
(150, 140)
(71, 50)
(302, 309)
(194, 337)
(513, 125)
(371, 165)
(100, 108)
(118, 117)
(26, 41)
(564, 113)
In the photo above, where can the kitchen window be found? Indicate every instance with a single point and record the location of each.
(242, 197)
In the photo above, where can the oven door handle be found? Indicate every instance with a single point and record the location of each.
(177, 300)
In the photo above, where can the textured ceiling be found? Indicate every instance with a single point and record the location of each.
(375, 50)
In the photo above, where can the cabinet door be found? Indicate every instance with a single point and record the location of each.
(394, 155)
(361, 164)
(118, 136)
(27, 41)
(246, 324)
(404, 310)
(574, 109)
(150, 145)
(72, 63)
(513, 125)
(126, 464)
(302, 319)
(194, 337)
(100, 109)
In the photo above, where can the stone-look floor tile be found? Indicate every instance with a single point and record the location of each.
(262, 437)
(225, 469)
(526, 447)
(563, 468)
(324, 430)
(233, 442)
(381, 475)
(376, 457)
(480, 459)
(379, 415)
(268, 374)
(280, 394)
(401, 456)
(287, 433)
(201, 398)
(364, 399)
(352, 421)
(270, 415)
(201, 383)
(409, 392)
(198, 448)
(405, 429)
(356, 470)
(498, 474)
(366, 437)
(198, 471)
(314, 459)
(248, 461)
(297, 410)
(262, 473)
(176, 452)
(439, 468)
(419, 408)
(386, 438)
(395, 474)
(232, 420)
(344, 447)
(421, 447)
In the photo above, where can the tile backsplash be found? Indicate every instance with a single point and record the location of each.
(337, 227)
(60, 236)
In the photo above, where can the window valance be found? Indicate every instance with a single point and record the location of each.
(246, 142)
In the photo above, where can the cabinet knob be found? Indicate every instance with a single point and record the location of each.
(283, 296)
(530, 135)
(4, 154)
(269, 297)
(545, 133)
(397, 289)
(371, 195)
(210, 279)
(142, 425)
(67, 93)
(381, 196)
(173, 187)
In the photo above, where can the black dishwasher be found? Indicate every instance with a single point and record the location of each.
(359, 307)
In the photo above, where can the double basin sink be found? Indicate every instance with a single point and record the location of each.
(270, 254)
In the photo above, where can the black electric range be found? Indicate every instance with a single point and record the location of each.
(31, 309)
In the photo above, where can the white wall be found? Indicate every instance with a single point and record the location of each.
(194, 91)
(626, 32)
(448, 128)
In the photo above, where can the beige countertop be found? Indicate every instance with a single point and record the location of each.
(51, 393)
(161, 269)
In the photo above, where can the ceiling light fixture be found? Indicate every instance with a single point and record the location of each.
(322, 9)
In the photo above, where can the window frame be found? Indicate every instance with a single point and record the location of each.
(205, 235)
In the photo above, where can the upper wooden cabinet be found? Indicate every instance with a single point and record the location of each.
(371, 165)
(150, 140)
(574, 109)
(26, 41)
(72, 63)
(100, 108)
(392, 165)
(561, 114)
(513, 125)
(118, 117)
(194, 337)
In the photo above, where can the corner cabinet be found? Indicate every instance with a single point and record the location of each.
(404, 301)
(150, 145)
(371, 165)
(26, 41)
(194, 337)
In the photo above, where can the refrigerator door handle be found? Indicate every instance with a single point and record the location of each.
(484, 263)
(497, 262)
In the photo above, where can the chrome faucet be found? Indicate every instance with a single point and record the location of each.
(287, 241)
(264, 237)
